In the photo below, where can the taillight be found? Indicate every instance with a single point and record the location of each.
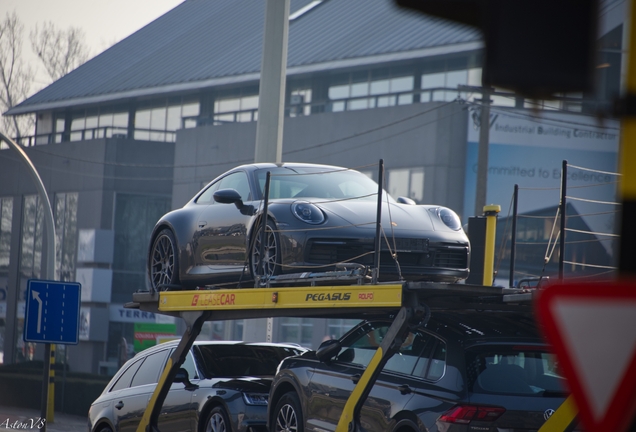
(463, 414)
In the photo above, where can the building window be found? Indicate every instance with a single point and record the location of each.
(296, 330)
(236, 109)
(93, 124)
(434, 85)
(338, 327)
(300, 102)
(66, 235)
(160, 123)
(6, 218)
(31, 244)
(407, 182)
(371, 92)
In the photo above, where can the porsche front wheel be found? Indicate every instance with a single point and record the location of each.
(269, 265)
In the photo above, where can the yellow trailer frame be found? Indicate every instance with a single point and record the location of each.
(410, 302)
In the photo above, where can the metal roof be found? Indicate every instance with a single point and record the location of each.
(203, 43)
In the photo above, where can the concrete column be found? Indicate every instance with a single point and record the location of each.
(271, 101)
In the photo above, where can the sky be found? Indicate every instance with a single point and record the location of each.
(104, 22)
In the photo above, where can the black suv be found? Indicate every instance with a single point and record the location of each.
(461, 371)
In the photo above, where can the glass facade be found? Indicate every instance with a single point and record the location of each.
(135, 216)
(66, 235)
(32, 235)
(6, 216)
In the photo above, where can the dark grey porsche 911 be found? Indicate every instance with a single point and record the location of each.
(318, 216)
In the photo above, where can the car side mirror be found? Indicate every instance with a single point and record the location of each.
(328, 350)
(231, 196)
(182, 377)
(405, 200)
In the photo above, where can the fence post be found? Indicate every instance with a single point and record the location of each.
(513, 238)
(564, 185)
(261, 251)
(378, 220)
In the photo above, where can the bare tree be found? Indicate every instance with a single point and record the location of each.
(15, 77)
(60, 51)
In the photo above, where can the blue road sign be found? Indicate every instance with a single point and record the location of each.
(52, 312)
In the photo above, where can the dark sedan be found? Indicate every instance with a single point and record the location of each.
(225, 390)
(318, 216)
(461, 372)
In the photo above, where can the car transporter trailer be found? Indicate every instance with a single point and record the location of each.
(409, 302)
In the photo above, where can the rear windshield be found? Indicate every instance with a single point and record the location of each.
(514, 369)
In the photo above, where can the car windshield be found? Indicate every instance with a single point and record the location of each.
(318, 182)
(515, 369)
(241, 360)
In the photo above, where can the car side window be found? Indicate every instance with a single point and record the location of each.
(125, 378)
(405, 360)
(360, 347)
(432, 363)
(149, 371)
(207, 196)
(237, 181)
(188, 364)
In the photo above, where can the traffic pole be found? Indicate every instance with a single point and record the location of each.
(490, 211)
(50, 415)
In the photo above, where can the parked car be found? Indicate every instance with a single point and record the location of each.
(462, 371)
(318, 216)
(225, 389)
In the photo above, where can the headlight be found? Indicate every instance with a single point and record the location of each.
(449, 218)
(308, 212)
(255, 398)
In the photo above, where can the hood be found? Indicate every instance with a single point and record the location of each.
(245, 384)
(401, 217)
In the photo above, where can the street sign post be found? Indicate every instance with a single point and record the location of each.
(592, 329)
(52, 312)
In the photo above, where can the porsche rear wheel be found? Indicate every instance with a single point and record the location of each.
(164, 262)
(270, 265)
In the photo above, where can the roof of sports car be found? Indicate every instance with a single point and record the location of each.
(204, 43)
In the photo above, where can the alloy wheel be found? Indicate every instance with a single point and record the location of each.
(270, 251)
(286, 420)
(163, 257)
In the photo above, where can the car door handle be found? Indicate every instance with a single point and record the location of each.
(355, 378)
(202, 224)
(404, 389)
(119, 405)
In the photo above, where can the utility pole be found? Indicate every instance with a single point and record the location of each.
(271, 98)
(482, 155)
(271, 112)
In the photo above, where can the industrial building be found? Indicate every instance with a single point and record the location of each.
(140, 128)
